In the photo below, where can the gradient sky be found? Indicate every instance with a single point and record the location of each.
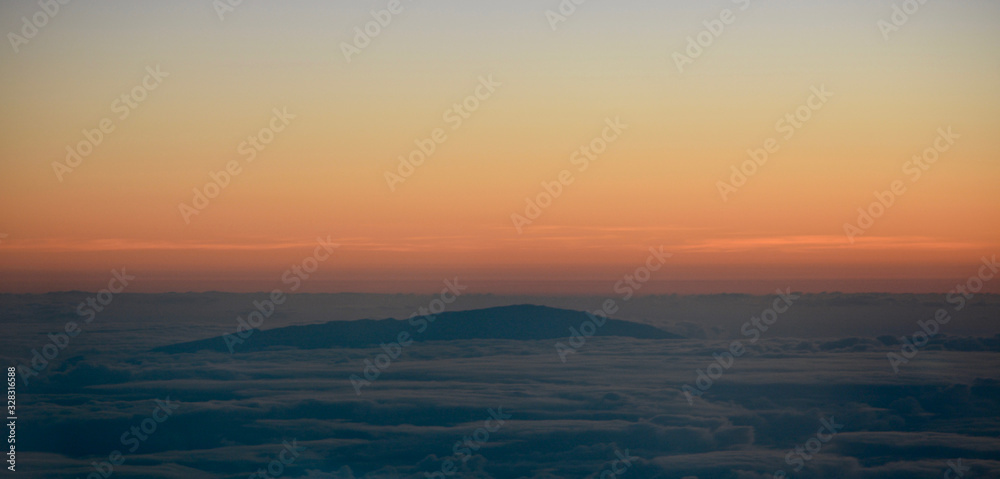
(656, 185)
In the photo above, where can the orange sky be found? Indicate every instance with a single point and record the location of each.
(347, 123)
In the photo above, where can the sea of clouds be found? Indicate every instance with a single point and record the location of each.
(815, 396)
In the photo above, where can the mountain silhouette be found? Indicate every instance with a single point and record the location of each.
(521, 322)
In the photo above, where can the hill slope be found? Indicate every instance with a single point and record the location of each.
(522, 322)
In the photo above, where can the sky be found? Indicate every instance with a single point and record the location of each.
(548, 85)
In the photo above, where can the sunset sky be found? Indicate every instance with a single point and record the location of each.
(657, 183)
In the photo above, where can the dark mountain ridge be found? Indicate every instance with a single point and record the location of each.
(521, 322)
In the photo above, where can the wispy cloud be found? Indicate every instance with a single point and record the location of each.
(619, 237)
(829, 242)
